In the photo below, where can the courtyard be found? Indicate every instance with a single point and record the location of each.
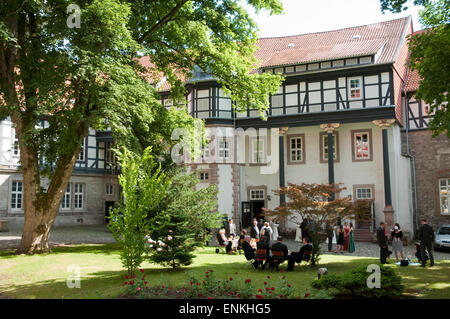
(92, 248)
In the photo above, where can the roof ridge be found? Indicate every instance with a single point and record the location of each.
(358, 26)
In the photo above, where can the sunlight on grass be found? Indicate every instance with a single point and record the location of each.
(44, 276)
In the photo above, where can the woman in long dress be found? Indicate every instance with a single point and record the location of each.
(351, 244)
(340, 239)
(397, 244)
(346, 235)
(274, 226)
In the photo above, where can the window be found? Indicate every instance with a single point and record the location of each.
(78, 196)
(363, 193)
(204, 176)
(110, 157)
(16, 195)
(257, 194)
(258, 150)
(109, 189)
(224, 148)
(444, 195)
(15, 149)
(65, 204)
(355, 88)
(324, 147)
(81, 155)
(296, 149)
(362, 145)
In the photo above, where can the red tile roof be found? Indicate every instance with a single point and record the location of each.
(412, 78)
(334, 44)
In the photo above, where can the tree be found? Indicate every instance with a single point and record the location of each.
(144, 186)
(430, 57)
(313, 201)
(88, 75)
(182, 220)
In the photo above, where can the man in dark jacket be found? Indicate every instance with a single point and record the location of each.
(260, 224)
(303, 225)
(382, 242)
(254, 230)
(426, 239)
(297, 257)
(330, 232)
(249, 251)
(262, 244)
(278, 246)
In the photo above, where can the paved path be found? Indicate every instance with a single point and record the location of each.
(101, 235)
(369, 250)
(63, 235)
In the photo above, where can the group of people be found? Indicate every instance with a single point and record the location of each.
(424, 249)
(263, 254)
(226, 236)
(344, 238)
(260, 229)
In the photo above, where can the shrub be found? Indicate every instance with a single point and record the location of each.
(354, 284)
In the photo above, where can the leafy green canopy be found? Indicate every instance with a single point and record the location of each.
(91, 75)
(430, 56)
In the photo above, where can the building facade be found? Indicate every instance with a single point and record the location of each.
(92, 189)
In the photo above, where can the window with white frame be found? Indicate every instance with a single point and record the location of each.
(15, 145)
(205, 151)
(65, 204)
(16, 195)
(257, 194)
(444, 195)
(363, 193)
(81, 155)
(325, 147)
(204, 176)
(110, 157)
(355, 88)
(361, 148)
(258, 150)
(109, 189)
(78, 195)
(224, 148)
(296, 144)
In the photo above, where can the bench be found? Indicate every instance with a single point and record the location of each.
(277, 257)
(4, 225)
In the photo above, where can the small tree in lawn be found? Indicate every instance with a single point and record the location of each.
(144, 185)
(180, 222)
(314, 201)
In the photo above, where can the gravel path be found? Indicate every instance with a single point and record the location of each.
(101, 235)
(98, 234)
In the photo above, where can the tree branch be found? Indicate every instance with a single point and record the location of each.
(163, 21)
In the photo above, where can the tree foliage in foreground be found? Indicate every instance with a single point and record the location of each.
(90, 76)
(313, 201)
(430, 56)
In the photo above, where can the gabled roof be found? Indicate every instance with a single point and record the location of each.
(277, 51)
(412, 78)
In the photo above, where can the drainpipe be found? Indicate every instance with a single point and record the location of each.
(412, 161)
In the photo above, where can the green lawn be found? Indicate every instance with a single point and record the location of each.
(44, 276)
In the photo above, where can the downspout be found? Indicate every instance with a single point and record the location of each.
(412, 160)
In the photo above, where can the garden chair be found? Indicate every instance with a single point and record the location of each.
(261, 256)
(278, 258)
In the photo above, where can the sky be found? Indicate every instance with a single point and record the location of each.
(307, 16)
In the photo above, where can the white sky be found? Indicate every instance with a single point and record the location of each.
(307, 16)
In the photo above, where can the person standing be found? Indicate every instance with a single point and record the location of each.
(346, 236)
(231, 228)
(382, 242)
(397, 244)
(351, 240)
(266, 231)
(254, 230)
(340, 239)
(330, 234)
(303, 225)
(274, 226)
(426, 238)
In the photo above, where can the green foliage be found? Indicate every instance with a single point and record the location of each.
(354, 283)
(180, 222)
(398, 6)
(144, 185)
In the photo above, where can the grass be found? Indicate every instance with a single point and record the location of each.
(44, 276)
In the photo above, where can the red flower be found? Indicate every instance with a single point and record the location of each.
(207, 276)
(210, 297)
(267, 288)
(142, 270)
(260, 290)
(306, 295)
(126, 276)
(268, 277)
(239, 295)
(133, 277)
(272, 288)
(211, 270)
(145, 282)
(207, 272)
(247, 281)
(265, 283)
(289, 285)
(270, 292)
(125, 283)
(132, 282)
(198, 284)
(199, 295)
(191, 283)
(281, 296)
(259, 296)
(162, 286)
(231, 279)
(138, 289)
